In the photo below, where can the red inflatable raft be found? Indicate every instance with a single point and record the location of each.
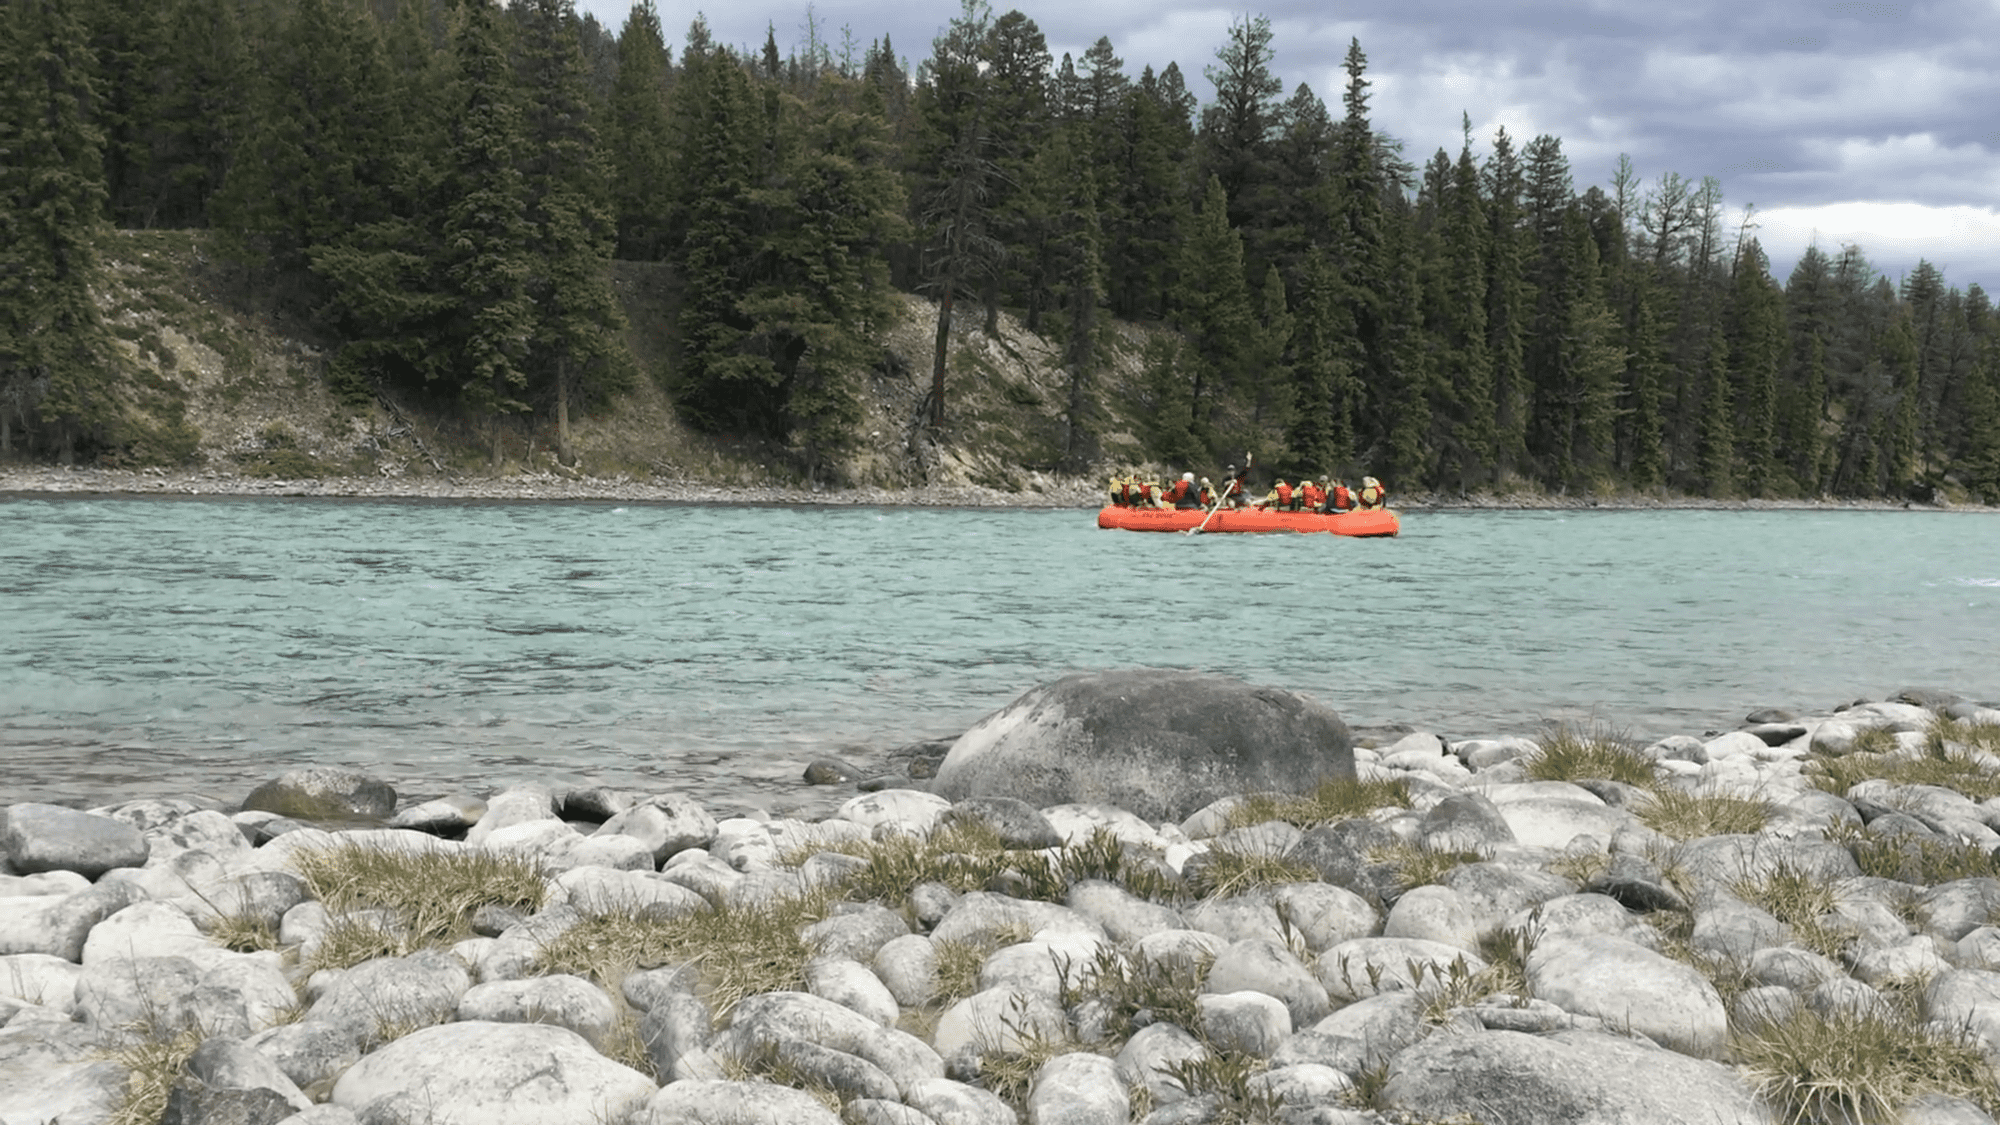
(1366, 524)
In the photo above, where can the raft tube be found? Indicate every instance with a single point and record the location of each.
(1374, 523)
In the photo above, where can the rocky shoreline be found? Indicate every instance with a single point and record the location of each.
(1795, 920)
(1045, 491)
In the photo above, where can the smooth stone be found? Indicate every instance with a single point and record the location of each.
(1629, 986)
(1272, 969)
(421, 989)
(561, 1000)
(856, 932)
(1363, 967)
(724, 1102)
(666, 824)
(1464, 822)
(517, 805)
(444, 816)
(1199, 737)
(58, 1072)
(36, 838)
(1564, 1078)
(323, 793)
(831, 771)
(1153, 1051)
(762, 1021)
(997, 1021)
(1078, 1088)
(1434, 913)
(679, 1025)
(907, 966)
(955, 1103)
(59, 925)
(852, 985)
(1014, 822)
(1254, 1023)
(982, 918)
(1301, 1084)
(605, 890)
(596, 803)
(910, 810)
(478, 1073)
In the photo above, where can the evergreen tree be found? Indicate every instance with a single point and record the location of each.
(1237, 132)
(1718, 434)
(1077, 269)
(1509, 304)
(58, 361)
(1466, 378)
(821, 294)
(1324, 362)
(1756, 345)
(718, 385)
(953, 105)
(1980, 460)
(1148, 205)
(485, 262)
(1017, 115)
(575, 350)
(637, 133)
(322, 158)
(1212, 310)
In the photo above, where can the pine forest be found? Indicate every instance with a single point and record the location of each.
(440, 186)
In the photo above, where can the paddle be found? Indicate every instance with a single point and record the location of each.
(1221, 498)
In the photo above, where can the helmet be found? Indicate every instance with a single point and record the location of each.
(1187, 476)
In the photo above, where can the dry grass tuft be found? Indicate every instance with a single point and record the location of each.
(1858, 1067)
(1418, 866)
(1690, 816)
(1956, 755)
(430, 895)
(738, 951)
(154, 1062)
(1570, 753)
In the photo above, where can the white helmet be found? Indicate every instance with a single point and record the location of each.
(1187, 476)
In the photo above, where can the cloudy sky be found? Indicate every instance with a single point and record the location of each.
(1876, 123)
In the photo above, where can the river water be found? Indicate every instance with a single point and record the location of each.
(153, 647)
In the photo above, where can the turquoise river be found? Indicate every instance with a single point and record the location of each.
(197, 647)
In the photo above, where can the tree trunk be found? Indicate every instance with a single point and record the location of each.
(563, 452)
(938, 357)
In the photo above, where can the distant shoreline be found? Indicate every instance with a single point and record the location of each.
(1054, 492)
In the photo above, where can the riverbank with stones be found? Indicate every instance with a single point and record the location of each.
(1042, 491)
(1568, 961)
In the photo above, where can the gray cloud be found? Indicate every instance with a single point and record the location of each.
(1792, 104)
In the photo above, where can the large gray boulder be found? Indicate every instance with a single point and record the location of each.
(1564, 1078)
(478, 1073)
(324, 793)
(1160, 744)
(39, 838)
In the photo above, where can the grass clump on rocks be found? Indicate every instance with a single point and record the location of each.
(1331, 800)
(1918, 860)
(1572, 754)
(154, 1061)
(1858, 1066)
(389, 902)
(969, 856)
(1419, 866)
(737, 951)
(1956, 755)
(1801, 900)
(1691, 816)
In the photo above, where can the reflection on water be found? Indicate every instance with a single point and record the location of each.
(202, 646)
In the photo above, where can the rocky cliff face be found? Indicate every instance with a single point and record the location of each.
(225, 385)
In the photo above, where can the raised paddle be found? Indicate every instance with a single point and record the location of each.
(1211, 512)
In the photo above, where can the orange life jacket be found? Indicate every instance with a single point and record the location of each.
(1342, 498)
(1314, 496)
(1284, 495)
(1178, 492)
